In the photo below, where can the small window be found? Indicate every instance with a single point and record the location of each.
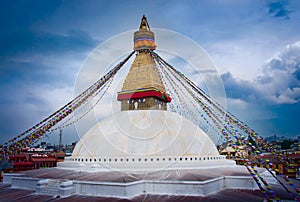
(109, 160)
(104, 160)
(140, 159)
(86, 160)
(186, 159)
(191, 158)
(157, 159)
(142, 100)
(145, 159)
(99, 159)
(180, 159)
(90, 160)
(127, 159)
(164, 159)
(132, 159)
(95, 160)
(116, 160)
(151, 159)
(170, 159)
(121, 159)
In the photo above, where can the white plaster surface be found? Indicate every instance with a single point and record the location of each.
(144, 140)
(191, 188)
(24, 183)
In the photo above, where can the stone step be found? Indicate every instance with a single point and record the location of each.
(50, 192)
(52, 188)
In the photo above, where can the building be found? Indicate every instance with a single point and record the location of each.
(288, 164)
(144, 150)
(29, 161)
(144, 135)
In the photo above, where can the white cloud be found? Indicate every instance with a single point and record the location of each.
(242, 57)
(278, 83)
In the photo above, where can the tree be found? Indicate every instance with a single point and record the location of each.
(286, 144)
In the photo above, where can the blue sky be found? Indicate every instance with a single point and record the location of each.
(255, 45)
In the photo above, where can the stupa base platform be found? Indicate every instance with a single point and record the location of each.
(184, 182)
(13, 194)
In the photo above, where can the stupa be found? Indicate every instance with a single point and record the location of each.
(142, 150)
(144, 135)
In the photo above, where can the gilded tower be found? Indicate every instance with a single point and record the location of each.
(143, 88)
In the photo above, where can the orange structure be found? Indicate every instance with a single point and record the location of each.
(288, 164)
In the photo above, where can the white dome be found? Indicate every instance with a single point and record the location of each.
(144, 133)
(144, 140)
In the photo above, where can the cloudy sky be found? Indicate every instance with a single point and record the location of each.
(255, 45)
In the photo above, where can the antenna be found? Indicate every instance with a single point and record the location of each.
(60, 139)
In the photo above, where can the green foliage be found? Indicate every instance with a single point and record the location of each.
(286, 144)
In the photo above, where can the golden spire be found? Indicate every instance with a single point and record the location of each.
(144, 23)
(143, 88)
